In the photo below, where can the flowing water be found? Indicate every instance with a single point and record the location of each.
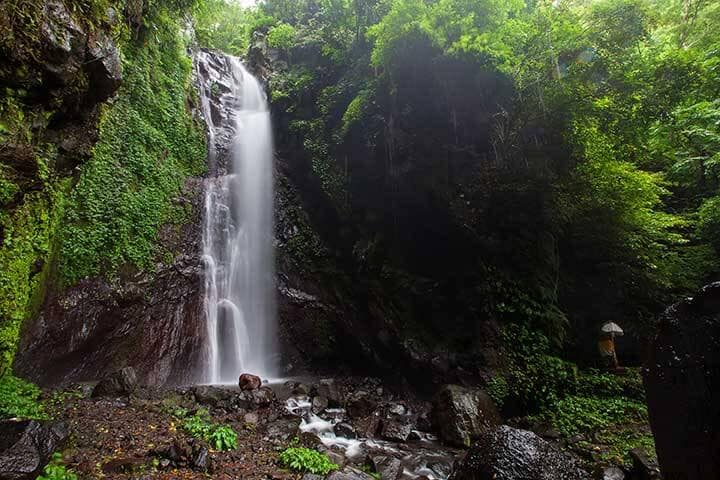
(238, 237)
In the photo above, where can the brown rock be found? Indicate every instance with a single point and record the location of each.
(248, 381)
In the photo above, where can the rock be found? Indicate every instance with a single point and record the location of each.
(199, 460)
(309, 440)
(213, 396)
(336, 457)
(248, 381)
(300, 389)
(396, 409)
(506, 453)
(360, 404)
(123, 465)
(441, 469)
(103, 66)
(613, 473)
(312, 476)
(461, 414)
(682, 386)
(26, 447)
(121, 383)
(283, 429)
(329, 389)
(344, 430)
(64, 42)
(397, 428)
(644, 468)
(389, 468)
(251, 418)
(319, 404)
(263, 397)
(349, 473)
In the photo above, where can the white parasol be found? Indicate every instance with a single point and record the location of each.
(613, 329)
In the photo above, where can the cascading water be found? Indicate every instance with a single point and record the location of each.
(238, 237)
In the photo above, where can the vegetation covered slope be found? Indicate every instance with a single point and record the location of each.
(86, 186)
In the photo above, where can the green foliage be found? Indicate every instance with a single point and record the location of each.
(303, 459)
(532, 377)
(282, 36)
(226, 25)
(223, 438)
(578, 414)
(19, 399)
(620, 440)
(220, 437)
(28, 234)
(55, 470)
(709, 221)
(149, 144)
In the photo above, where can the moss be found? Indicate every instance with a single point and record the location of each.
(149, 144)
(24, 258)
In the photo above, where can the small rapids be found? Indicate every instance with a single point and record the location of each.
(422, 457)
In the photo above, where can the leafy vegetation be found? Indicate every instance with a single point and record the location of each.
(303, 459)
(219, 437)
(55, 470)
(19, 399)
(149, 144)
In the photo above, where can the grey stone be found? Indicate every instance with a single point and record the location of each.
(506, 453)
(461, 414)
(120, 383)
(26, 447)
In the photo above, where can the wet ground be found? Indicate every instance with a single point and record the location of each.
(141, 436)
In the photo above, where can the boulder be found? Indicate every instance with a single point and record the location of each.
(506, 453)
(461, 414)
(284, 429)
(26, 447)
(644, 468)
(344, 430)
(682, 387)
(360, 404)
(213, 396)
(389, 468)
(319, 404)
(613, 473)
(397, 428)
(329, 389)
(248, 381)
(121, 383)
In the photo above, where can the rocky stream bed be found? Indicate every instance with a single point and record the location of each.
(117, 430)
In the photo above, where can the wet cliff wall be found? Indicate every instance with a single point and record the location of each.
(96, 234)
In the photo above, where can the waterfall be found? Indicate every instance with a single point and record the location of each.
(238, 250)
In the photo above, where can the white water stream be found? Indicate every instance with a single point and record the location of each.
(238, 240)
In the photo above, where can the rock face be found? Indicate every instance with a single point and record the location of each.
(151, 321)
(682, 384)
(506, 453)
(122, 382)
(461, 414)
(26, 447)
